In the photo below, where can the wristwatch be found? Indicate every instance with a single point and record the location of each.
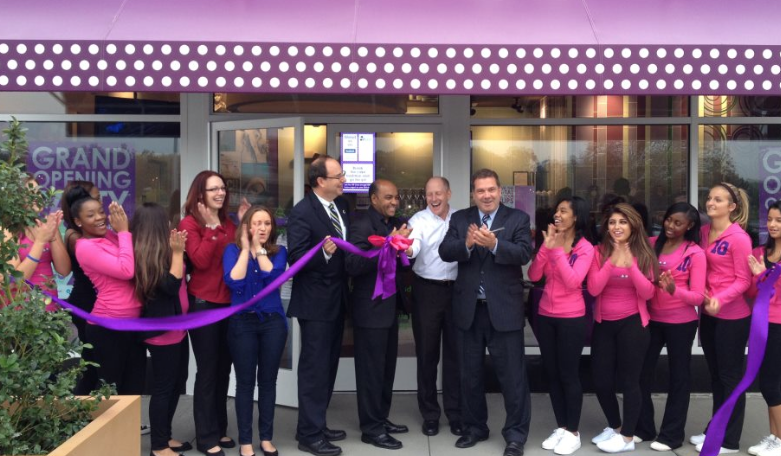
(261, 251)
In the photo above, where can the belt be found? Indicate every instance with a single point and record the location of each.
(444, 283)
(482, 302)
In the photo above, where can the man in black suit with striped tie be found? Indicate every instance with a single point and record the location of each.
(490, 242)
(319, 301)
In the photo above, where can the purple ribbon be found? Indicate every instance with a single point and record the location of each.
(756, 352)
(197, 319)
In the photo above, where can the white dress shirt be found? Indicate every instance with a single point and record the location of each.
(428, 231)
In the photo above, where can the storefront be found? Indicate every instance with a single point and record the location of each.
(592, 98)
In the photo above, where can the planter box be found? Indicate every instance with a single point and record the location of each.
(114, 430)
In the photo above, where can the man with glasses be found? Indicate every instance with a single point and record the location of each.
(319, 301)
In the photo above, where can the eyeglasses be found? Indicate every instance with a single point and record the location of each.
(338, 176)
(217, 189)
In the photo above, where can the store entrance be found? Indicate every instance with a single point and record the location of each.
(405, 155)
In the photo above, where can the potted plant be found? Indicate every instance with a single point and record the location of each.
(38, 412)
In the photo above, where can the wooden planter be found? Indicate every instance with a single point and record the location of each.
(114, 430)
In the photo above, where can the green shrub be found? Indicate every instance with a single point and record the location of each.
(37, 409)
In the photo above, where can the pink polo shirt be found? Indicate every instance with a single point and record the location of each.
(564, 273)
(689, 267)
(620, 292)
(774, 310)
(108, 262)
(728, 273)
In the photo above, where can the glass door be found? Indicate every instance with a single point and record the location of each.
(405, 155)
(263, 161)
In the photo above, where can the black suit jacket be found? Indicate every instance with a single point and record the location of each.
(320, 288)
(368, 312)
(501, 273)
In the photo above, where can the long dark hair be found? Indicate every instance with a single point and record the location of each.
(580, 210)
(691, 235)
(770, 244)
(638, 241)
(197, 194)
(271, 244)
(151, 247)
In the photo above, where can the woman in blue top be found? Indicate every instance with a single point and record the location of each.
(257, 336)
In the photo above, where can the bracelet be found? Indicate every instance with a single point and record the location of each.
(33, 259)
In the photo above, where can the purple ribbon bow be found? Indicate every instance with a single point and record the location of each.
(756, 352)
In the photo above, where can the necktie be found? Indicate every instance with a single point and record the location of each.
(335, 220)
(484, 221)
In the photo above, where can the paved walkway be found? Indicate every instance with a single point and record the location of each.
(343, 415)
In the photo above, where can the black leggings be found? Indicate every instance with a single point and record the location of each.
(618, 350)
(724, 347)
(561, 344)
(770, 373)
(678, 338)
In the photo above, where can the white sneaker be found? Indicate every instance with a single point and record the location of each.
(553, 439)
(637, 439)
(616, 444)
(568, 444)
(722, 450)
(659, 446)
(773, 448)
(145, 429)
(762, 445)
(604, 435)
(697, 439)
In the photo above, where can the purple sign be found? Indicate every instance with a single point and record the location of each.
(769, 185)
(358, 153)
(111, 167)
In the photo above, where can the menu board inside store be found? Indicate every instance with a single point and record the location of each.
(358, 161)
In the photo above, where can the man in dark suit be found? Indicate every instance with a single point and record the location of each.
(490, 242)
(319, 301)
(376, 326)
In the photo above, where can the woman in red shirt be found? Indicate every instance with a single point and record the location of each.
(209, 230)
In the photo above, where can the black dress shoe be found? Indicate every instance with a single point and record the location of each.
(430, 427)
(320, 448)
(513, 449)
(185, 446)
(456, 428)
(384, 441)
(469, 440)
(334, 435)
(230, 443)
(391, 428)
(216, 453)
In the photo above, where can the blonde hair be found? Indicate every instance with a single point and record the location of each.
(739, 197)
(638, 242)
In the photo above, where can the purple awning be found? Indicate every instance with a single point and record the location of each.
(481, 47)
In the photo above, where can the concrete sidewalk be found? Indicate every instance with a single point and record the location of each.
(343, 415)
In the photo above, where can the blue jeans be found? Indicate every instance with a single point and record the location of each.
(256, 348)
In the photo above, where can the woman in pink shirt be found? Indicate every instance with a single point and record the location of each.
(726, 319)
(159, 263)
(622, 279)
(108, 261)
(673, 323)
(764, 258)
(42, 251)
(564, 260)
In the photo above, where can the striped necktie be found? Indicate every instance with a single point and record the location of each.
(335, 220)
(484, 220)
